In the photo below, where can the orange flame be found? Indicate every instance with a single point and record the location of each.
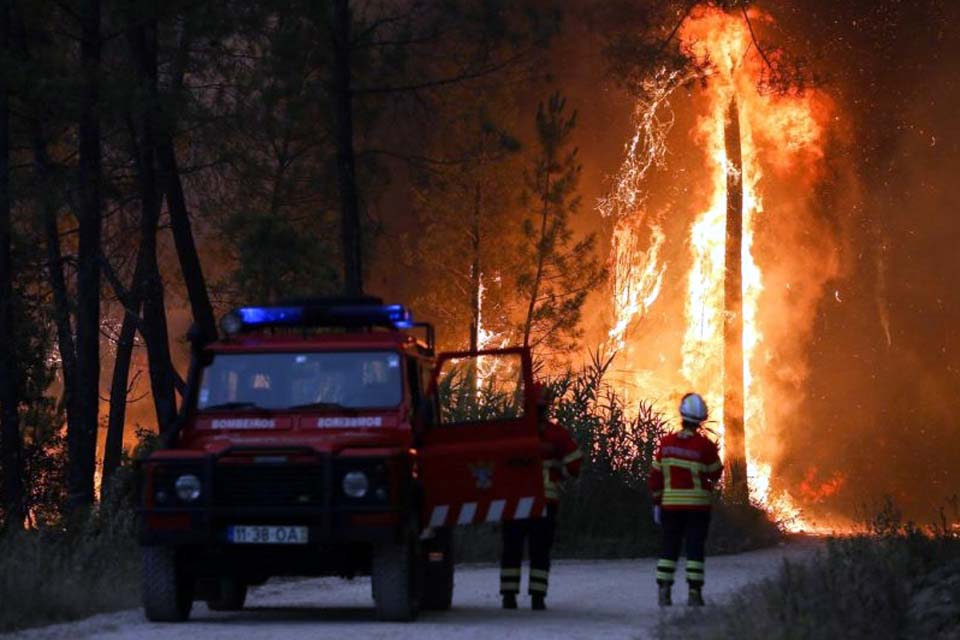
(782, 135)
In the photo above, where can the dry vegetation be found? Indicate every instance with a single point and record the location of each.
(897, 581)
(607, 512)
(50, 576)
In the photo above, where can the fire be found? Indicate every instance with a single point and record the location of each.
(781, 136)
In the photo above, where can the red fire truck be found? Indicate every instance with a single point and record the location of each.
(327, 438)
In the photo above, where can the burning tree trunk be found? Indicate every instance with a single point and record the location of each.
(733, 433)
(475, 273)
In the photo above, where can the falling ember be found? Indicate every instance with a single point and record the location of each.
(778, 134)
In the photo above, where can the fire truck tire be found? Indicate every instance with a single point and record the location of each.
(231, 597)
(437, 561)
(396, 580)
(167, 587)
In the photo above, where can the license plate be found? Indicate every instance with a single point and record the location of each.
(267, 535)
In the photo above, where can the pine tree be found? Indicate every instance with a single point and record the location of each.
(557, 270)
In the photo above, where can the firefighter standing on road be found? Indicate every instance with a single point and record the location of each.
(561, 459)
(685, 471)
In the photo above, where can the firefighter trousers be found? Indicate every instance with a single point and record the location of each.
(681, 526)
(538, 534)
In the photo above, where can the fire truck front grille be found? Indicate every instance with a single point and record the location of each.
(268, 486)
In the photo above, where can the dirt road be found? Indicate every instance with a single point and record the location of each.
(588, 599)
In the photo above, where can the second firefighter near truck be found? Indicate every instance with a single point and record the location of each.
(686, 469)
(562, 459)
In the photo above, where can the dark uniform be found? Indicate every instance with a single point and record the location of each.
(685, 471)
(561, 459)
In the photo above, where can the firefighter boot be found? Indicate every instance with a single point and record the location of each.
(538, 602)
(695, 599)
(509, 601)
(663, 597)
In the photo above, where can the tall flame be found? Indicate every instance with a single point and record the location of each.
(780, 134)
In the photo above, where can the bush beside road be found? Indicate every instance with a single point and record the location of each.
(897, 581)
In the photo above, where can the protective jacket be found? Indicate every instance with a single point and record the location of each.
(685, 471)
(562, 459)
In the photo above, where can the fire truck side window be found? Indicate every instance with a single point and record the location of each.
(484, 388)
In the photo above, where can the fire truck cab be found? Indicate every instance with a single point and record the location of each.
(326, 438)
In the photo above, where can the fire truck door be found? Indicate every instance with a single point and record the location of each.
(479, 460)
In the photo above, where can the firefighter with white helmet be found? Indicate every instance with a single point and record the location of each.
(685, 472)
(562, 459)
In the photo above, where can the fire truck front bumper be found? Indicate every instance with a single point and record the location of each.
(318, 501)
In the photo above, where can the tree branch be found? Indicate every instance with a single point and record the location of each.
(756, 43)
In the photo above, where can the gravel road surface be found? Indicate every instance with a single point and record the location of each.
(588, 599)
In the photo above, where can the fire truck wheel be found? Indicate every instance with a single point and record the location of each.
(167, 587)
(232, 595)
(437, 561)
(396, 580)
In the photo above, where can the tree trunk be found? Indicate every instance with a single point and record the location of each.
(342, 103)
(542, 248)
(82, 439)
(476, 274)
(143, 40)
(190, 266)
(47, 214)
(113, 450)
(733, 390)
(10, 444)
(164, 126)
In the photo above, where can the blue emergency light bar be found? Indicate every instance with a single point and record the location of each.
(348, 315)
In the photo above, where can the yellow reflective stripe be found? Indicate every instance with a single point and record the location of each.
(657, 465)
(510, 586)
(664, 563)
(685, 502)
(539, 573)
(694, 564)
(510, 573)
(693, 465)
(576, 455)
(695, 468)
(537, 587)
(689, 492)
(665, 577)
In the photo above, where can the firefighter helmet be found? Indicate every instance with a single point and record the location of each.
(693, 408)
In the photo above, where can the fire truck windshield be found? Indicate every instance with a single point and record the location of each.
(309, 380)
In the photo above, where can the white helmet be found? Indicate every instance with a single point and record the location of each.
(693, 408)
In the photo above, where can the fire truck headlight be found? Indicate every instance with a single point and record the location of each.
(355, 484)
(188, 487)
